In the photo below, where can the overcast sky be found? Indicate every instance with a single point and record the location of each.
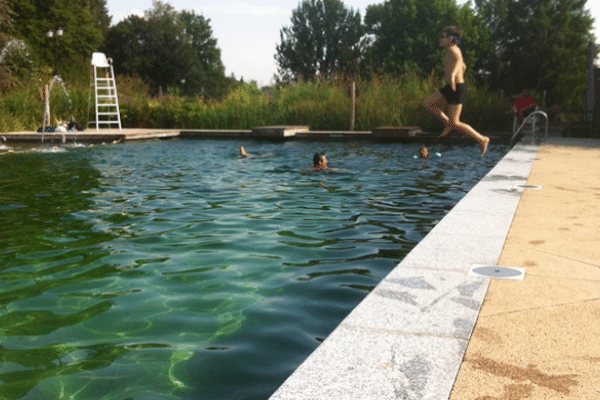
(247, 31)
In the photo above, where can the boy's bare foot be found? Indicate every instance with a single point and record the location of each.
(243, 152)
(446, 131)
(484, 145)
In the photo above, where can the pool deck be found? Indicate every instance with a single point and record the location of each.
(278, 133)
(431, 330)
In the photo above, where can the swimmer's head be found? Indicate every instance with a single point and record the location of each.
(317, 158)
(320, 161)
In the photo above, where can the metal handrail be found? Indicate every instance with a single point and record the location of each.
(530, 116)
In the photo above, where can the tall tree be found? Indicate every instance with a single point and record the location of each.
(406, 34)
(323, 39)
(541, 45)
(14, 57)
(169, 49)
(205, 68)
(83, 22)
(6, 14)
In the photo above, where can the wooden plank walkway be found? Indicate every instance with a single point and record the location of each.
(396, 134)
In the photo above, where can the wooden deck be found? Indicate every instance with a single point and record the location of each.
(397, 134)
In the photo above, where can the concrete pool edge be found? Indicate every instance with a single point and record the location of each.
(407, 338)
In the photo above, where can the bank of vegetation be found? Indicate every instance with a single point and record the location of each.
(383, 101)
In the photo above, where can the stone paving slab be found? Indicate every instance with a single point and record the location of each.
(432, 252)
(422, 302)
(376, 364)
(407, 338)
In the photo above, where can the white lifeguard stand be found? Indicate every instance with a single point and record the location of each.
(105, 88)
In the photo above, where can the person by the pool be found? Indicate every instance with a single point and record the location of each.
(455, 92)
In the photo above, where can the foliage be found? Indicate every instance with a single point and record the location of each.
(15, 60)
(384, 101)
(323, 40)
(169, 49)
(15, 64)
(406, 33)
(22, 108)
(83, 21)
(541, 45)
(6, 16)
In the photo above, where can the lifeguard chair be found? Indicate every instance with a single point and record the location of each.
(105, 88)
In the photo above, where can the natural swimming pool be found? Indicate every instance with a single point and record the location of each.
(177, 270)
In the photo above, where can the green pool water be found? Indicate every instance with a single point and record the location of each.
(176, 270)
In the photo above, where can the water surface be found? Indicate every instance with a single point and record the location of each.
(176, 270)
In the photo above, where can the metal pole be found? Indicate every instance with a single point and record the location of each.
(56, 55)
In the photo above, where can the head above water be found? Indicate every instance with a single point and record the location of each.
(320, 160)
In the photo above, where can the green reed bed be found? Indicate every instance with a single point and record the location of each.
(382, 101)
(22, 109)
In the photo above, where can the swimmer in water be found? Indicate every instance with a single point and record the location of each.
(243, 154)
(320, 162)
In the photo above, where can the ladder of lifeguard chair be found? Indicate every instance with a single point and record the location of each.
(107, 101)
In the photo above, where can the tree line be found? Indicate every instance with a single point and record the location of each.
(509, 45)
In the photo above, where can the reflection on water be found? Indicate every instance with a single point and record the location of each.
(176, 270)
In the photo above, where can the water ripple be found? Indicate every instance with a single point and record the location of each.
(177, 270)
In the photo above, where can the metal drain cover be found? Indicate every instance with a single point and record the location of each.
(494, 271)
(521, 186)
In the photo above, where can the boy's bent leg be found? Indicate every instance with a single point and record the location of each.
(454, 110)
(430, 104)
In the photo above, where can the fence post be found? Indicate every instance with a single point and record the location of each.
(353, 105)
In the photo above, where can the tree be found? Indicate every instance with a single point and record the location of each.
(169, 49)
(406, 34)
(15, 62)
(323, 39)
(541, 45)
(6, 14)
(83, 21)
(206, 70)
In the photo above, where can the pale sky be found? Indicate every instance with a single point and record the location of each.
(247, 31)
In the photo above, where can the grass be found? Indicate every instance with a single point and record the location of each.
(383, 101)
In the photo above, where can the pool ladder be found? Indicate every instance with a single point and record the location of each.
(531, 118)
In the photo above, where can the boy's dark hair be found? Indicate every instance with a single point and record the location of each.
(317, 158)
(453, 30)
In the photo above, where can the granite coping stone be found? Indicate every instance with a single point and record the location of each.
(359, 364)
(422, 302)
(408, 336)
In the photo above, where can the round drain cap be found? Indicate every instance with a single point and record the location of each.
(497, 272)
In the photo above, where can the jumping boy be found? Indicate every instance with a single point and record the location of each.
(455, 92)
